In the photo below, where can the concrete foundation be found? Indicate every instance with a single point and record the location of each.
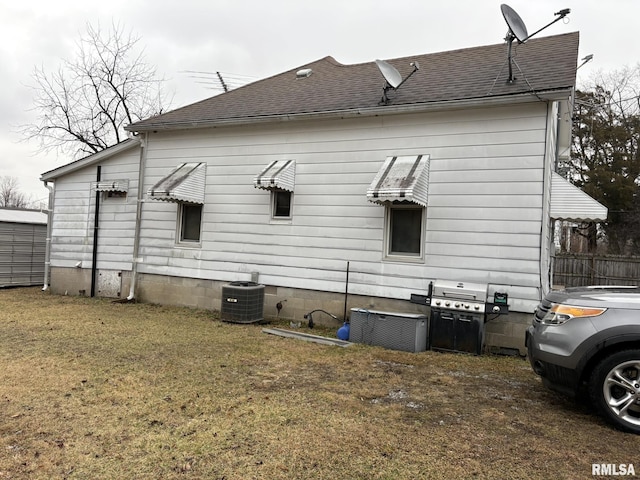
(71, 281)
(503, 334)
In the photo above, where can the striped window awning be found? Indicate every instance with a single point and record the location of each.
(184, 184)
(112, 185)
(279, 174)
(403, 178)
(568, 202)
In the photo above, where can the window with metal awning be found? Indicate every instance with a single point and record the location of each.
(278, 175)
(186, 183)
(401, 178)
(568, 202)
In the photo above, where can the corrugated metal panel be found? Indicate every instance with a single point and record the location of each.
(121, 185)
(279, 174)
(401, 178)
(184, 184)
(568, 202)
(22, 254)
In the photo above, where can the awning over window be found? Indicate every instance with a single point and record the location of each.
(112, 186)
(568, 202)
(279, 174)
(401, 178)
(184, 184)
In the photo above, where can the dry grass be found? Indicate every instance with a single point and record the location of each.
(94, 389)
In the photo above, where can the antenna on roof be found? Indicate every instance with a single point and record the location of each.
(518, 30)
(393, 77)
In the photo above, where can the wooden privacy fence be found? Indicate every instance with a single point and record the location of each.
(575, 270)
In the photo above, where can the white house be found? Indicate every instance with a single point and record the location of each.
(335, 192)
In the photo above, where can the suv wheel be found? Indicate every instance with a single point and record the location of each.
(615, 389)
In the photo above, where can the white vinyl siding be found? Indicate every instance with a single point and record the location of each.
(483, 220)
(73, 219)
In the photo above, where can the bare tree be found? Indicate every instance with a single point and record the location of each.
(10, 195)
(83, 106)
(605, 159)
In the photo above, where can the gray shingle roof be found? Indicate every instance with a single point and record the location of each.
(544, 64)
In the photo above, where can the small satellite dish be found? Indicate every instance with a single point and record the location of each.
(518, 30)
(516, 26)
(390, 74)
(393, 77)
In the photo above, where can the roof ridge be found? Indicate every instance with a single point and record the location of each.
(546, 64)
(444, 52)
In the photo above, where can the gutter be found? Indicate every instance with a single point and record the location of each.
(525, 97)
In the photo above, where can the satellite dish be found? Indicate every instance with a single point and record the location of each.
(518, 30)
(390, 74)
(516, 26)
(393, 77)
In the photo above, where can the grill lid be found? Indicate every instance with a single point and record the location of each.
(462, 296)
(473, 292)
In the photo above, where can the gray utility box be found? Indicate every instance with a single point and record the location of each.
(242, 302)
(397, 331)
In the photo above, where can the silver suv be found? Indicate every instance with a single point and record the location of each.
(586, 342)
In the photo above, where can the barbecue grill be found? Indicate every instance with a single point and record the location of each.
(458, 314)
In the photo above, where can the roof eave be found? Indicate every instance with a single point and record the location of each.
(524, 97)
(89, 160)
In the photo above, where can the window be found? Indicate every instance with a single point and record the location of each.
(115, 194)
(404, 236)
(190, 220)
(281, 204)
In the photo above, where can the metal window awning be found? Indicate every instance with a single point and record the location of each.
(121, 185)
(568, 202)
(279, 174)
(403, 178)
(184, 184)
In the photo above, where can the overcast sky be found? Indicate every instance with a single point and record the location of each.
(253, 39)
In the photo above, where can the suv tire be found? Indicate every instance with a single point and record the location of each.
(614, 388)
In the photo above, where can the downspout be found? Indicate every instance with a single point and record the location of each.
(94, 256)
(140, 200)
(546, 231)
(47, 254)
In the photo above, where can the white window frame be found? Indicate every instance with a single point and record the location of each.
(401, 256)
(274, 197)
(180, 240)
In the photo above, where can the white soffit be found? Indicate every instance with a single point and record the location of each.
(279, 174)
(184, 184)
(568, 202)
(404, 178)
